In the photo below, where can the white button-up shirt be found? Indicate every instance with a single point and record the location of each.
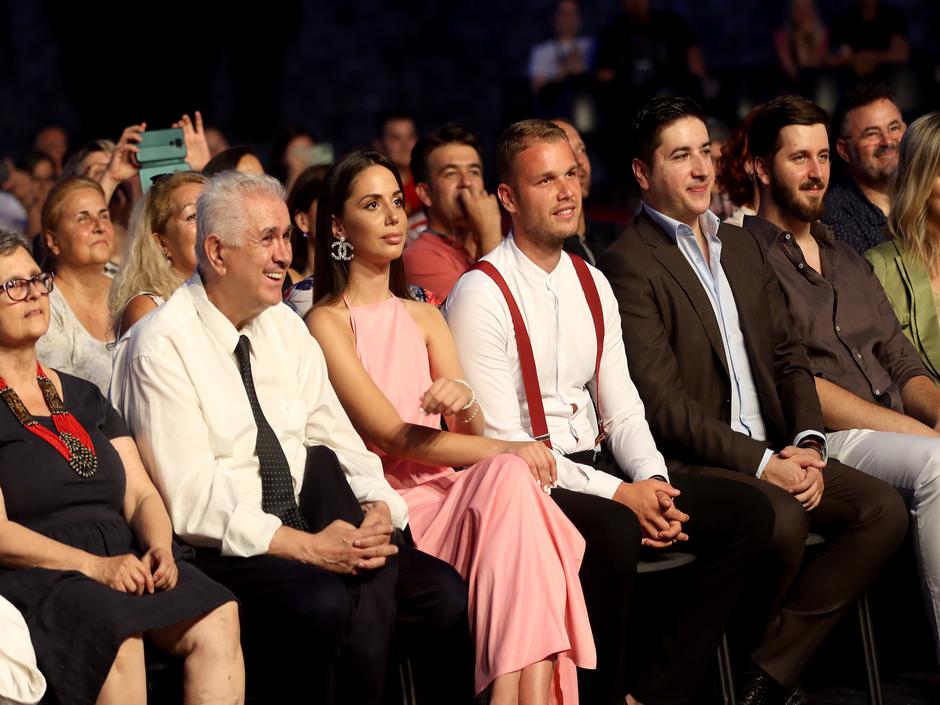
(176, 381)
(564, 345)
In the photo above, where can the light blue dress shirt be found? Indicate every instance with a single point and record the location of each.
(745, 407)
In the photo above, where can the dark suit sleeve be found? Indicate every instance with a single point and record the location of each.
(682, 426)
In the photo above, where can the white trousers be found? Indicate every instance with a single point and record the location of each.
(911, 463)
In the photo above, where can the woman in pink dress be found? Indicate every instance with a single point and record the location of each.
(395, 368)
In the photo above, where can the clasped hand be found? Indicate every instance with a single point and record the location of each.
(653, 503)
(799, 472)
(343, 548)
(156, 570)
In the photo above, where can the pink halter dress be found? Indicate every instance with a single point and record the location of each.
(518, 552)
(515, 548)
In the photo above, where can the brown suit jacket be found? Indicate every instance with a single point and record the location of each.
(677, 359)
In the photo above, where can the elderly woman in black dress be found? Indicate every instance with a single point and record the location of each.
(85, 541)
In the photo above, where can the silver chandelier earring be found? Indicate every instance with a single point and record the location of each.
(342, 250)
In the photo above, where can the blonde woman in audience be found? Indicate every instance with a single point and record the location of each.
(161, 249)
(79, 235)
(908, 265)
(394, 366)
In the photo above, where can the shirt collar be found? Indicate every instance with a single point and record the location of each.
(771, 233)
(217, 325)
(707, 220)
(529, 269)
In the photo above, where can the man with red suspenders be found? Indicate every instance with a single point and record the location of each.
(539, 338)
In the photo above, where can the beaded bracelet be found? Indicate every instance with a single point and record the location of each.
(473, 395)
(473, 400)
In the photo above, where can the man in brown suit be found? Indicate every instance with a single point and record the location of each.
(729, 393)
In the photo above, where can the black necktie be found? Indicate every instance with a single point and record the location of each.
(277, 487)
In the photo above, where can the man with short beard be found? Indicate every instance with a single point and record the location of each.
(869, 128)
(880, 407)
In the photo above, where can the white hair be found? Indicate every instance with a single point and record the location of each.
(220, 209)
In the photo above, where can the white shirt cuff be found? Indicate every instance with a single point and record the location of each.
(249, 532)
(601, 484)
(763, 463)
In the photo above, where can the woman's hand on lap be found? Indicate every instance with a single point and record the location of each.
(125, 573)
(162, 566)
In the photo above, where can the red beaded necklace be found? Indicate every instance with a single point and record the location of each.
(72, 440)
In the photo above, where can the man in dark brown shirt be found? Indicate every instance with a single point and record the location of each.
(880, 407)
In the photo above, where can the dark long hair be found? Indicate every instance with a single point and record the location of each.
(330, 276)
(303, 193)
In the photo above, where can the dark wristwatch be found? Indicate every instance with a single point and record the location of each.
(817, 445)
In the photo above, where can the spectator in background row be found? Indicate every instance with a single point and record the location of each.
(721, 204)
(592, 236)
(396, 137)
(645, 50)
(216, 140)
(77, 230)
(560, 69)
(161, 252)
(302, 206)
(290, 154)
(238, 158)
(802, 46)
(736, 173)
(565, 56)
(866, 129)
(908, 265)
(464, 221)
(42, 168)
(30, 185)
(17, 189)
(54, 141)
(869, 37)
(90, 160)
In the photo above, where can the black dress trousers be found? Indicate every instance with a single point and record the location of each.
(308, 630)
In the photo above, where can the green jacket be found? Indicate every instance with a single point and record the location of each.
(907, 286)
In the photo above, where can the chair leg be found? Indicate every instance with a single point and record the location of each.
(875, 696)
(724, 672)
(407, 680)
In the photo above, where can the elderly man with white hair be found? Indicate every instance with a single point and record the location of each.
(228, 398)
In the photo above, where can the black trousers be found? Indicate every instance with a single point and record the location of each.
(308, 630)
(660, 650)
(864, 521)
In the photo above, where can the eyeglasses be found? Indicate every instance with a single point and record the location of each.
(876, 135)
(18, 289)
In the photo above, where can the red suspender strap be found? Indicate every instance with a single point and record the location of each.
(530, 379)
(597, 313)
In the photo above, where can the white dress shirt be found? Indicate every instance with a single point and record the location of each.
(176, 381)
(564, 345)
